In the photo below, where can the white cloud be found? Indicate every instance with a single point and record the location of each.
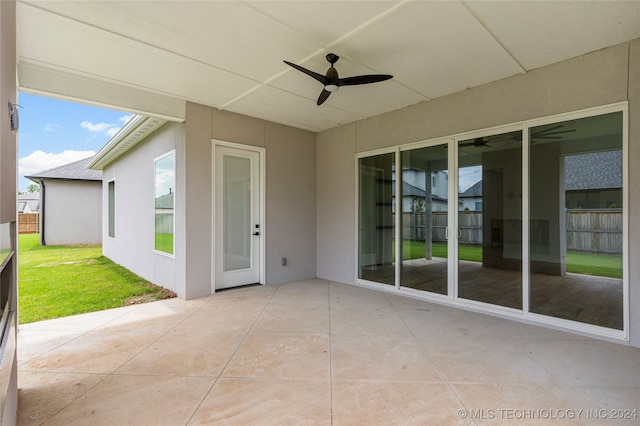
(112, 131)
(39, 161)
(125, 118)
(108, 129)
(96, 127)
(50, 127)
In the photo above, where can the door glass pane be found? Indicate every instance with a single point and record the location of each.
(490, 219)
(424, 206)
(376, 261)
(237, 212)
(576, 220)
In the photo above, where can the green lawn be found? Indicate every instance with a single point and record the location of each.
(164, 243)
(57, 281)
(602, 265)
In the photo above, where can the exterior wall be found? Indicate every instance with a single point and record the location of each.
(8, 213)
(290, 196)
(73, 212)
(599, 78)
(134, 174)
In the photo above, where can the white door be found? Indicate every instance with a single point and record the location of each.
(237, 217)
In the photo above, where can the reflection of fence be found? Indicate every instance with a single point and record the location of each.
(164, 222)
(595, 230)
(414, 226)
(598, 231)
(28, 223)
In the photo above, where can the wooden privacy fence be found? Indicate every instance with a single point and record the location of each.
(594, 230)
(28, 223)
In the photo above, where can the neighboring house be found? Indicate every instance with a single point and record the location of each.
(29, 202)
(414, 190)
(471, 198)
(591, 181)
(70, 204)
(594, 180)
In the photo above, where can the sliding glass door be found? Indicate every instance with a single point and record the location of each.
(528, 220)
(424, 220)
(376, 253)
(490, 219)
(576, 228)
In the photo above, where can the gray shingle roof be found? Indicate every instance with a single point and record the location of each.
(164, 201)
(72, 171)
(595, 170)
(473, 191)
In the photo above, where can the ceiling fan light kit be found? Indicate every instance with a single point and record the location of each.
(332, 81)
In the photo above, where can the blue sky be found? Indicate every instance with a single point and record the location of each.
(55, 132)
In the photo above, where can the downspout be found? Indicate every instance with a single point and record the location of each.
(42, 198)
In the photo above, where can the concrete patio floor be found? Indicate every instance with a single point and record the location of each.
(316, 352)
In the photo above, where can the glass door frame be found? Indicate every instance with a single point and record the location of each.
(451, 217)
(261, 152)
(452, 297)
(485, 133)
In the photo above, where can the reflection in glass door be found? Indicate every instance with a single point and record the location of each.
(490, 219)
(376, 261)
(424, 222)
(576, 224)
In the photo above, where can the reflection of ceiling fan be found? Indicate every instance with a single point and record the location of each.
(477, 142)
(550, 133)
(486, 140)
(332, 82)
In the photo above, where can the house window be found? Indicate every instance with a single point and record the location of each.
(164, 202)
(112, 208)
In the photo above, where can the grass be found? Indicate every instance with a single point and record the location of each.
(57, 281)
(164, 243)
(601, 265)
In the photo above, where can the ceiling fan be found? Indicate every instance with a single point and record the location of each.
(332, 82)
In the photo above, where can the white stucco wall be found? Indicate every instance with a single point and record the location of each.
(600, 78)
(290, 207)
(73, 212)
(134, 176)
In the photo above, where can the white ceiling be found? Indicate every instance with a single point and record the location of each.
(151, 56)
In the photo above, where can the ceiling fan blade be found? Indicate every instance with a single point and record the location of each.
(550, 129)
(363, 79)
(321, 78)
(323, 96)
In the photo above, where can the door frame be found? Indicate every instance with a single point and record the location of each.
(261, 206)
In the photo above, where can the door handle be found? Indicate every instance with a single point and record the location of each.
(256, 233)
(459, 233)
